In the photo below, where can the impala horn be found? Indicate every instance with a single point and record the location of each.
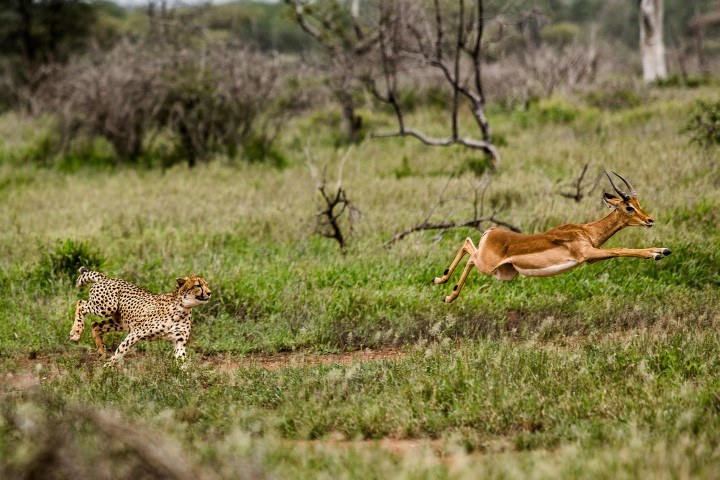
(624, 195)
(633, 193)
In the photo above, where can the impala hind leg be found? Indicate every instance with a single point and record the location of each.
(468, 247)
(456, 289)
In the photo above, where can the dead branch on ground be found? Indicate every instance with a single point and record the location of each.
(335, 204)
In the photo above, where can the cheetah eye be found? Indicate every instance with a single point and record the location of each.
(630, 208)
(198, 286)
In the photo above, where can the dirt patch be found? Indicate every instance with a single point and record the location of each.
(301, 359)
(31, 372)
(448, 453)
(394, 445)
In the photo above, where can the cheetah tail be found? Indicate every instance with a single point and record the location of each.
(88, 276)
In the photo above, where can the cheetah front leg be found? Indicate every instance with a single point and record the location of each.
(179, 336)
(79, 323)
(125, 345)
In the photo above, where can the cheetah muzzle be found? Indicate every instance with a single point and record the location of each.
(143, 314)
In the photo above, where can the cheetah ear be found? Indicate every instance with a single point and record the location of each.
(180, 281)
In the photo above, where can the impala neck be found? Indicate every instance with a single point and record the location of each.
(601, 231)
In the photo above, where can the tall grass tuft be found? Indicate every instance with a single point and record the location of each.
(64, 260)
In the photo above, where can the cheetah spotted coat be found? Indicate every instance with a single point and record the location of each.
(143, 314)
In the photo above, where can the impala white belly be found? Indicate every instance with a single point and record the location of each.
(547, 271)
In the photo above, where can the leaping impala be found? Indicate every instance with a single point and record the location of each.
(505, 254)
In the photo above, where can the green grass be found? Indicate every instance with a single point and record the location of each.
(607, 371)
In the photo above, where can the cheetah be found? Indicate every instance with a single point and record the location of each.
(143, 314)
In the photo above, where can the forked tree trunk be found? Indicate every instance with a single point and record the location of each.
(652, 49)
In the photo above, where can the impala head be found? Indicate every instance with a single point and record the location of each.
(627, 204)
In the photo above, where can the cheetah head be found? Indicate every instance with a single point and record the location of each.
(192, 291)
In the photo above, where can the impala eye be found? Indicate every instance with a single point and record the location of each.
(630, 208)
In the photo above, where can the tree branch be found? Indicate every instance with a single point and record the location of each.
(472, 143)
(475, 223)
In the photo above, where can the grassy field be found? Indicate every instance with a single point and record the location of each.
(609, 371)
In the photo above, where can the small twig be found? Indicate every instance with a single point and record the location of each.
(580, 190)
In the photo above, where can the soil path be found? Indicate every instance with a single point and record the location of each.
(41, 367)
(302, 359)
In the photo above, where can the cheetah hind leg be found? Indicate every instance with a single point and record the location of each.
(100, 329)
(79, 323)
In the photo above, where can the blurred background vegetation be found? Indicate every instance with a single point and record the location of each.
(159, 140)
(161, 83)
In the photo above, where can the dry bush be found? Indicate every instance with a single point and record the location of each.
(227, 97)
(508, 82)
(551, 67)
(116, 96)
(215, 99)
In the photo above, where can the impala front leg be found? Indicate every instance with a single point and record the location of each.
(597, 254)
(456, 289)
(468, 248)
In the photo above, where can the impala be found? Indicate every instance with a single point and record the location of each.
(505, 254)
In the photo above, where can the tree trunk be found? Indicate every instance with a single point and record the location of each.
(652, 49)
(353, 122)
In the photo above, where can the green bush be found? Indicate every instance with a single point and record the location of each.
(404, 170)
(613, 99)
(704, 124)
(560, 34)
(259, 148)
(549, 110)
(478, 165)
(63, 261)
(689, 81)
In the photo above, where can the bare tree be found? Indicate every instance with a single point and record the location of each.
(450, 42)
(698, 25)
(652, 48)
(346, 41)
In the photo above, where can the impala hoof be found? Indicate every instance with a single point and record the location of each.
(667, 252)
(448, 299)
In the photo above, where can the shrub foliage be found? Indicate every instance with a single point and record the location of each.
(704, 124)
(212, 100)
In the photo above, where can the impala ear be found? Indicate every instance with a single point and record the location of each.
(611, 201)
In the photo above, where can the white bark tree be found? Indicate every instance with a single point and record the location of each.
(652, 49)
